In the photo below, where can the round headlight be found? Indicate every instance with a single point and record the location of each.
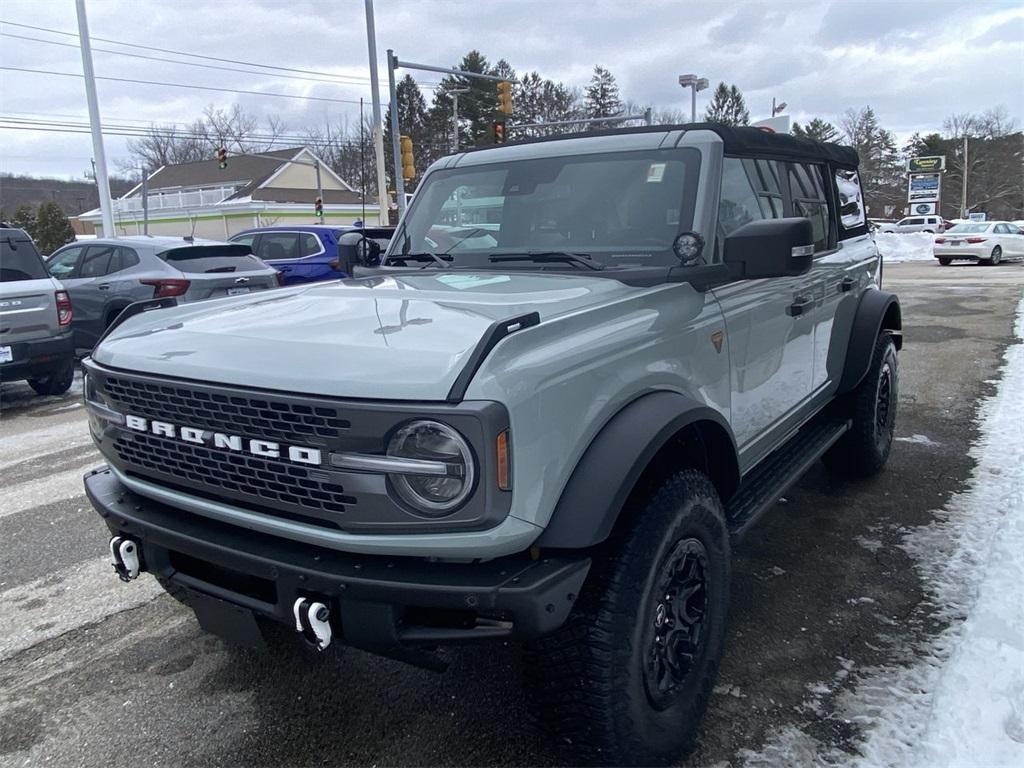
(447, 463)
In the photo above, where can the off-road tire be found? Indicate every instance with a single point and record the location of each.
(863, 450)
(589, 682)
(56, 383)
(945, 262)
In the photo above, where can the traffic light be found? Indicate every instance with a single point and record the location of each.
(222, 158)
(318, 206)
(408, 162)
(499, 132)
(505, 97)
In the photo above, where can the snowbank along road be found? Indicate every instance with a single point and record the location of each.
(835, 623)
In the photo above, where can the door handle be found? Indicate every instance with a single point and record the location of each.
(104, 286)
(799, 306)
(846, 284)
(286, 269)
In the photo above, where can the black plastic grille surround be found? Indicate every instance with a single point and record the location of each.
(268, 483)
(263, 417)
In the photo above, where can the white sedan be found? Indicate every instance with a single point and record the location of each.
(986, 242)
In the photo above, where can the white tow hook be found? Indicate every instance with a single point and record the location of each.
(124, 556)
(312, 621)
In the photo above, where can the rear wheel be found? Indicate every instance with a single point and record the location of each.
(945, 262)
(626, 680)
(864, 449)
(55, 383)
(997, 256)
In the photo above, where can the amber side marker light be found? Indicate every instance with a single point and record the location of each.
(504, 474)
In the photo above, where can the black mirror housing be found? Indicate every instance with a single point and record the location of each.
(770, 248)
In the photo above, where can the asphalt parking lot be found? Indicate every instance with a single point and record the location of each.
(96, 673)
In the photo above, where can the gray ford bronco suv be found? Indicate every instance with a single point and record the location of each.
(582, 369)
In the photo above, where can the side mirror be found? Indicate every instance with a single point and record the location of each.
(770, 248)
(368, 253)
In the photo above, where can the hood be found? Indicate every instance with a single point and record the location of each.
(401, 337)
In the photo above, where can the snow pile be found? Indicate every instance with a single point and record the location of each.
(911, 246)
(962, 702)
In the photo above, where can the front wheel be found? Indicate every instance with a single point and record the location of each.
(864, 449)
(626, 680)
(55, 383)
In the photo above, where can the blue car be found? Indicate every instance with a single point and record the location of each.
(303, 253)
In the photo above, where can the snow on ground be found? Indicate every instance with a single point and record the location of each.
(909, 246)
(962, 704)
(957, 699)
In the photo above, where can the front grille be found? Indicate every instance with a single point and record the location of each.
(265, 482)
(264, 417)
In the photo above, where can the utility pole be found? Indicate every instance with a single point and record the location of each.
(100, 159)
(395, 149)
(378, 124)
(454, 93)
(963, 191)
(145, 200)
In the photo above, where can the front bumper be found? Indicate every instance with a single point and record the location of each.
(35, 359)
(387, 605)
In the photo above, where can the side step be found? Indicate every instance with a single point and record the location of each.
(763, 486)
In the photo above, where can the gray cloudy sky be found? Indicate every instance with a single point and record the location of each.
(914, 62)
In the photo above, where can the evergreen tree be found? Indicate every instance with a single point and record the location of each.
(817, 129)
(476, 108)
(727, 107)
(602, 95)
(412, 122)
(881, 172)
(25, 218)
(52, 229)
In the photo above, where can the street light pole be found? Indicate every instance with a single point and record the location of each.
(695, 83)
(100, 157)
(395, 143)
(454, 93)
(378, 124)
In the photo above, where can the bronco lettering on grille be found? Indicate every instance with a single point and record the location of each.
(263, 448)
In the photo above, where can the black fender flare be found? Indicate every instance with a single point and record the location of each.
(609, 469)
(877, 311)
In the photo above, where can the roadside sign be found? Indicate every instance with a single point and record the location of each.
(976, 216)
(926, 164)
(924, 188)
(923, 209)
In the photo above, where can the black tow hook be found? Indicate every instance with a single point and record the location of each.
(125, 557)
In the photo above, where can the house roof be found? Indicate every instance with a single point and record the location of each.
(242, 169)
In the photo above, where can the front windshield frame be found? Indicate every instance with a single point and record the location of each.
(680, 167)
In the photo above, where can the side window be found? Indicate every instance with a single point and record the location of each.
(309, 244)
(245, 239)
(1001, 229)
(276, 246)
(740, 202)
(851, 199)
(65, 263)
(807, 192)
(129, 258)
(96, 261)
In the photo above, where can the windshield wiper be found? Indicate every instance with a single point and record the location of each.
(425, 256)
(580, 259)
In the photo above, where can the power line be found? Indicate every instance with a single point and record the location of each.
(186, 63)
(183, 85)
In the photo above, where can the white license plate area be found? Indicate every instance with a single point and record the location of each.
(6, 355)
(956, 242)
(237, 291)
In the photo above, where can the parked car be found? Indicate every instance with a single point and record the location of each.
(307, 253)
(35, 318)
(916, 224)
(105, 275)
(556, 434)
(986, 242)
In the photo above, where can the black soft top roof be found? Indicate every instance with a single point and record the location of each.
(739, 140)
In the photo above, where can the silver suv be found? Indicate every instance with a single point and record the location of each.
(35, 318)
(583, 369)
(931, 224)
(105, 276)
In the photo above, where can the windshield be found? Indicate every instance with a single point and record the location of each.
(968, 229)
(622, 208)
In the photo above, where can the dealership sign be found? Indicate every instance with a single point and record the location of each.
(924, 188)
(926, 164)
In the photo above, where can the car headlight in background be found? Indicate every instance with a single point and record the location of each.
(440, 473)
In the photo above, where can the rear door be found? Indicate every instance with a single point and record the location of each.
(28, 306)
(219, 270)
(89, 292)
(288, 253)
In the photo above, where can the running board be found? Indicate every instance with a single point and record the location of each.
(766, 483)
